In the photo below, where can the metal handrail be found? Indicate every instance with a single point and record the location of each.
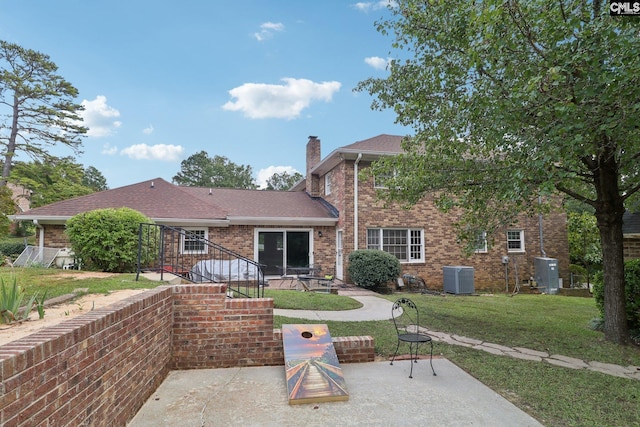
(174, 250)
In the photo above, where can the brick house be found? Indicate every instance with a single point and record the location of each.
(631, 235)
(322, 219)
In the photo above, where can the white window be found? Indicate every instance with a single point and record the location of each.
(515, 240)
(480, 242)
(405, 244)
(379, 180)
(192, 241)
(327, 184)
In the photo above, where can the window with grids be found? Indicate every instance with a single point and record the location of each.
(327, 184)
(405, 244)
(192, 243)
(515, 240)
(480, 242)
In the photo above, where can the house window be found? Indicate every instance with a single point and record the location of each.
(327, 184)
(480, 242)
(192, 241)
(379, 181)
(405, 244)
(515, 240)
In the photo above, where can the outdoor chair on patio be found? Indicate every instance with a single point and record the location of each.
(407, 322)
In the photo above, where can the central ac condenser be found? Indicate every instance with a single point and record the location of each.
(458, 279)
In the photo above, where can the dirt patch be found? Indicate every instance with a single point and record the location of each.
(78, 274)
(64, 311)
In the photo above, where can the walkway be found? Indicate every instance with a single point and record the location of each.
(376, 308)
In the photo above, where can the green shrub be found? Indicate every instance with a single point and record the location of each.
(106, 239)
(11, 249)
(632, 293)
(372, 268)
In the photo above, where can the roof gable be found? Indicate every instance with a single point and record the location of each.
(384, 143)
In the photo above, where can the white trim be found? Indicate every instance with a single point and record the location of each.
(355, 202)
(282, 222)
(205, 247)
(257, 231)
(327, 183)
(408, 231)
(521, 249)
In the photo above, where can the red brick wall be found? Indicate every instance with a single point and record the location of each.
(631, 248)
(54, 237)
(96, 369)
(441, 245)
(99, 368)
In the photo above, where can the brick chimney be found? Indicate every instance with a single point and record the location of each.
(313, 158)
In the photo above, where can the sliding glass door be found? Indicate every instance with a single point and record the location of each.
(282, 249)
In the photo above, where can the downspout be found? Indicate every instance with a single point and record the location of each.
(544, 254)
(40, 240)
(355, 202)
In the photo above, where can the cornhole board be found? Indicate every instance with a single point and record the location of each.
(312, 367)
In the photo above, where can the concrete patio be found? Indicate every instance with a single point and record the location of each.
(380, 394)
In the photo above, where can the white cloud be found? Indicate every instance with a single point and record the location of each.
(167, 153)
(99, 117)
(376, 62)
(148, 130)
(261, 101)
(109, 150)
(374, 5)
(266, 173)
(267, 29)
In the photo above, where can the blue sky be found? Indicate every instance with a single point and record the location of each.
(249, 79)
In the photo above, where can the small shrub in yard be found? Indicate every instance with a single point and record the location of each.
(11, 298)
(106, 239)
(11, 249)
(371, 268)
(632, 293)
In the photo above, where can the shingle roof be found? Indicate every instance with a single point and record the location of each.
(161, 200)
(382, 143)
(262, 203)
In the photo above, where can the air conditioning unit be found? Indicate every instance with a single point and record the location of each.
(546, 274)
(458, 279)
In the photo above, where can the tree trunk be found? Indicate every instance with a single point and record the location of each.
(609, 208)
(615, 317)
(11, 145)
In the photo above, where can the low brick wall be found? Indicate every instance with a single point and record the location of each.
(99, 368)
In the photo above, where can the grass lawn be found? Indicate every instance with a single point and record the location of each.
(58, 282)
(558, 325)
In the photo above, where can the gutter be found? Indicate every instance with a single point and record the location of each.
(355, 202)
(544, 254)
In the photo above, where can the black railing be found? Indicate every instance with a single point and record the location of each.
(179, 252)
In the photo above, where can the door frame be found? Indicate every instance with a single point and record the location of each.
(284, 230)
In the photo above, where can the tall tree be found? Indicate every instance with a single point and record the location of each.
(511, 101)
(200, 170)
(584, 241)
(38, 105)
(57, 179)
(94, 179)
(283, 181)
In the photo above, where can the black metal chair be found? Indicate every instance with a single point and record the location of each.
(407, 322)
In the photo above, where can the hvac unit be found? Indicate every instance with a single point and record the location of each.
(546, 274)
(458, 279)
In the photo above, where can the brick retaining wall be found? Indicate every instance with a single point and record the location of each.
(99, 368)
